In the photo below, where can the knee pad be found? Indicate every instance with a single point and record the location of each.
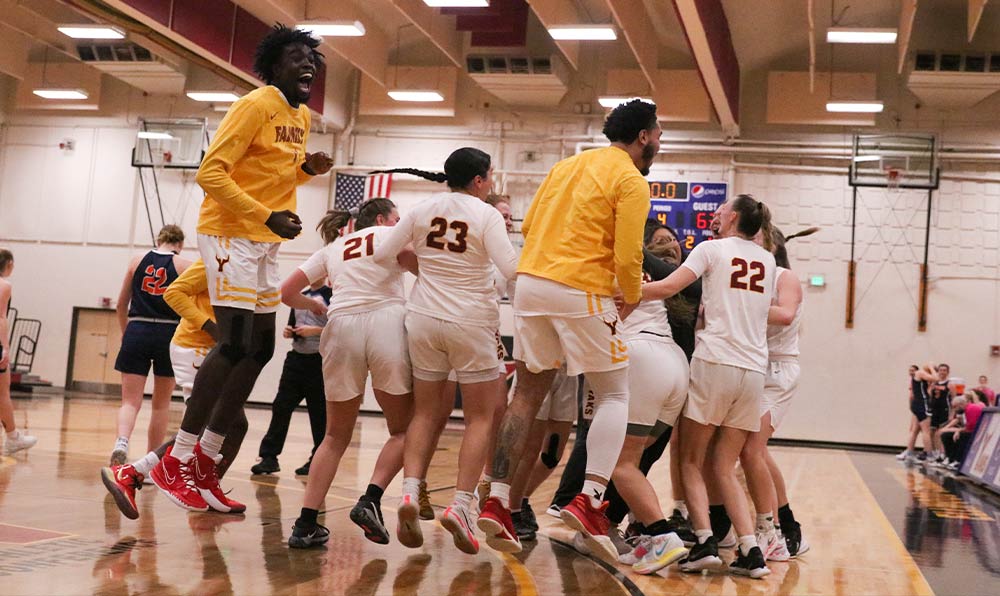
(550, 457)
(265, 350)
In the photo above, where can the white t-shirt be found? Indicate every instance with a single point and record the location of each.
(649, 316)
(783, 340)
(359, 284)
(457, 239)
(738, 284)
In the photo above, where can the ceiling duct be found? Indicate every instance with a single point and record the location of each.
(520, 80)
(954, 80)
(135, 65)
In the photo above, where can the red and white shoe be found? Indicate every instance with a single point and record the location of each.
(456, 521)
(176, 479)
(495, 522)
(122, 482)
(408, 530)
(593, 524)
(206, 480)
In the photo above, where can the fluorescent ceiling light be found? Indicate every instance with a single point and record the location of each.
(154, 135)
(868, 107)
(61, 93)
(457, 3)
(219, 96)
(860, 35)
(614, 102)
(91, 32)
(859, 158)
(583, 33)
(334, 28)
(413, 95)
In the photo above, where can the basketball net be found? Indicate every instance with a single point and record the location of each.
(892, 179)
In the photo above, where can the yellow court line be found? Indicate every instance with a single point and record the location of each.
(917, 580)
(523, 579)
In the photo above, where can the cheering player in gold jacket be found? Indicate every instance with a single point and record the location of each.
(249, 175)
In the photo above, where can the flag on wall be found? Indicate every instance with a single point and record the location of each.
(353, 190)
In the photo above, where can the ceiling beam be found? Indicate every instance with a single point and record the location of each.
(559, 12)
(440, 29)
(907, 11)
(369, 53)
(639, 33)
(976, 8)
(707, 31)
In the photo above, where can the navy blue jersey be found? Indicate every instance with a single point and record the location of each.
(155, 272)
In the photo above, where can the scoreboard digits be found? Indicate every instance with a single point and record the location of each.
(687, 207)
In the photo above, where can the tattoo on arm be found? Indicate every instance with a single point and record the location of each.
(511, 434)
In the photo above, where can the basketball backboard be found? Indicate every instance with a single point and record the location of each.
(177, 143)
(894, 161)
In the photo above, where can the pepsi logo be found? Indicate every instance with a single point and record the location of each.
(697, 191)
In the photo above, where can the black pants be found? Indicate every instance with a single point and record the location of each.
(301, 378)
(955, 449)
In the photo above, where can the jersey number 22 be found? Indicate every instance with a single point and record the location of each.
(741, 269)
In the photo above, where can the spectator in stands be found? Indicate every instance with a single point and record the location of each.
(991, 396)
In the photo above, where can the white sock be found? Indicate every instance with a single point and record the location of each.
(121, 442)
(463, 500)
(594, 491)
(411, 486)
(13, 435)
(488, 478)
(682, 507)
(184, 445)
(145, 465)
(746, 543)
(765, 522)
(607, 429)
(211, 443)
(703, 535)
(502, 492)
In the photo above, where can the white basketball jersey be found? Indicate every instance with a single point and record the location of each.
(359, 284)
(649, 316)
(738, 284)
(457, 239)
(783, 340)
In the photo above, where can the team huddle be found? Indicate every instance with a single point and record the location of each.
(590, 297)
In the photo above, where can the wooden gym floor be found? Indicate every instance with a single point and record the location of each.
(60, 533)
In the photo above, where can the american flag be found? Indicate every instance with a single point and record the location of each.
(353, 190)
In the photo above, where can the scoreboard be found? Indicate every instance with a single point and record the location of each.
(686, 207)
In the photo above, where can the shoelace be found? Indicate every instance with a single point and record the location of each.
(645, 543)
(187, 475)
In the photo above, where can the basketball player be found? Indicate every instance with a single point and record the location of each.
(16, 440)
(583, 235)
(727, 374)
(503, 288)
(364, 334)
(920, 407)
(658, 386)
(147, 325)
(941, 392)
(195, 336)
(780, 384)
(451, 323)
(249, 175)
